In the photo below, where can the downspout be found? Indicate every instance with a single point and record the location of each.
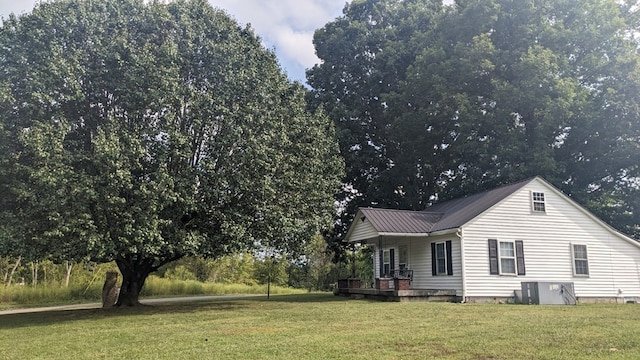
(460, 235)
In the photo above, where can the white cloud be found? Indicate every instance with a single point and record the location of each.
(297, 14)
(16, 6)
(286, 25)
(296, 45)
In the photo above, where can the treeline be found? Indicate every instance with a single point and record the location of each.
(315, 271)
(46, 273)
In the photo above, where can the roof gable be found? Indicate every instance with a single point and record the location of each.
(589, 214)
(458, 212)
(360, 229)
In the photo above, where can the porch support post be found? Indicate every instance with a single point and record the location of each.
(380, 265)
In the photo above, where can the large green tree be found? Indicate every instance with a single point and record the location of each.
(492, 92)
(365, 55)
(142, 132)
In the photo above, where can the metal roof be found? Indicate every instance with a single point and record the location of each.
(400, 221)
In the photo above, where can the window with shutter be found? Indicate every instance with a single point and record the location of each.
(506, 257)
(441, 259)
(449, 257)
(434, 263)
(493, 257)
(520, 257)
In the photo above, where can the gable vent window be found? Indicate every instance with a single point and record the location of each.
(537, 199)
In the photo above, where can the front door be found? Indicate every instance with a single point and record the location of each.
(388, 263)
(403, 258)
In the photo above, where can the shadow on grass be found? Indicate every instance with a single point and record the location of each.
(46, 318)
(303, 298)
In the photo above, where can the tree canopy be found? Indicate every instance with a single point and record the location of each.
(433, 101)
(142, 132)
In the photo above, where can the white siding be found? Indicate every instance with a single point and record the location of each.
(419, 250)
(362, 230)
(422, 275)
(614, 263)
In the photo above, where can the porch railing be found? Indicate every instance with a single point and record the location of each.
(402, 274)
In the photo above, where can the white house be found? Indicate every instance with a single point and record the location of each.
(484, 246)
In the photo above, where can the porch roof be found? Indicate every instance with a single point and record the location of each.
(401, 221)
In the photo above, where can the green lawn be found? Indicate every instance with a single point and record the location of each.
(321, 326)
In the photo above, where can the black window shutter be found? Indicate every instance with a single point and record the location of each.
(520, 257)
(493, 257)
(449, 258)
(381, 263)
(434, 270)
(392, 260)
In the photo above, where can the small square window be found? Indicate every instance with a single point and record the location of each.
(537, 199)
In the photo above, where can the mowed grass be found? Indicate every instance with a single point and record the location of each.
(321, 326)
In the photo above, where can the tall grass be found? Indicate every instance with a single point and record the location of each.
(11, 296)
(157, 286)
(18, 296)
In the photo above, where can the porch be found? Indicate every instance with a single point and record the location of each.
(397, 289)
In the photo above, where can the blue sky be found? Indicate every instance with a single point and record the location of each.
(286, 26)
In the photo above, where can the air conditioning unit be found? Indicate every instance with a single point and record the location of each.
(548, 293)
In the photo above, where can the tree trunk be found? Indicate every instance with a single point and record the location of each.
(69, 266)
(34, 273)
(110, 289)
(135, 271)
(13, 270)
(134, 274)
